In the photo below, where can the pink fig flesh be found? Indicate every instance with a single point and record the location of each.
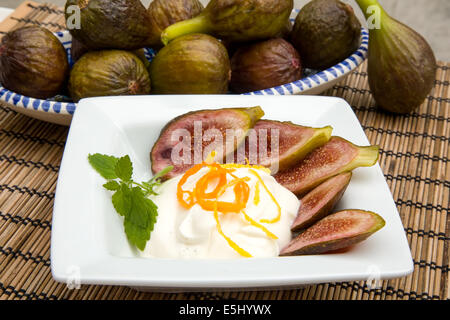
(320, 201)
(292, 143)
(336, 231)
(189, 138)
(336, 156)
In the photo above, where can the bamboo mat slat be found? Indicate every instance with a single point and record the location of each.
(414, 158)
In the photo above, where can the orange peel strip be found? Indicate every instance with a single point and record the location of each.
(231, 243)
(257, 225)
(277, 218)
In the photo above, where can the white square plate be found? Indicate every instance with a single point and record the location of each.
(88, 242)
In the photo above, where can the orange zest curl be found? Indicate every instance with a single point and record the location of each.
(216, 179)
(189, 202)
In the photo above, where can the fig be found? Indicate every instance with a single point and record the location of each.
(140, 53)
(201, 132)
(33, 62)
(293, 141)
(319, 202)
(264, 65)
(401, 64)
(236, 20)
(336, 231)
(164, 13)
(325, 33)
(108, 73)
(77, 49)
(334, 157)
(108, 24)
(285, 33)
(192, 64)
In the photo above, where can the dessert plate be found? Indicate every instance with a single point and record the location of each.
(89, 246)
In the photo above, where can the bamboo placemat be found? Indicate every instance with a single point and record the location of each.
(414, 159)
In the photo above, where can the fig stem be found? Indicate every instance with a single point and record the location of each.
(198, 24)
(366, 4)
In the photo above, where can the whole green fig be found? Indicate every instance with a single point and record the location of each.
(401, 64)
(164, 13)
(108, 24)
(108, 73)
(236, 20)
(192, 64)
(33, 62)
(325, 33)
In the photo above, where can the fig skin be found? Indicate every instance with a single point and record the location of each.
(33, 62)
(264, 65)
(110, 24)
(336, 231)
(163, 13)
(334, 157)
(236, 20)
(222, 119)
(108, 73)
(325, 33)
(401, 64)
(295, 142)
(320, 201)
(77, 49)
(192, 64)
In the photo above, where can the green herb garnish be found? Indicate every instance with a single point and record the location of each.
(130, 199)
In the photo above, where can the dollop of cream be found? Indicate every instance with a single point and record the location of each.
(181, 233)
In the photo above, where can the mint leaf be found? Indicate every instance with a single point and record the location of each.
(137, 235)
(122, 201)
(112, 185)
(129, 198)
(104, 165)
(124, 168)
(140, 220)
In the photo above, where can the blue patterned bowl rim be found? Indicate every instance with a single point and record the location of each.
(292, 88)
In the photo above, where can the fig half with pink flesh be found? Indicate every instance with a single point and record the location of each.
(336, 231)
(291, 144)
(334, 157)
(188, 139)
(320, 201)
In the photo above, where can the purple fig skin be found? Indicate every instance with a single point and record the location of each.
(110, 24)
(336, 156)
(33, 62)
(264, 65)
(222, 119)
(78, 49)
(325, 33)
(336, 231)
(320, 201)
(401, 64)
(294, 143)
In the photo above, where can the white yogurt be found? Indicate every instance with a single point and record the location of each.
(181, 233)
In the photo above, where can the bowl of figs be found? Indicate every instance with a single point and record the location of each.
(120, 47)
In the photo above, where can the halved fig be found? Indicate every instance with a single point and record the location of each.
(334, 157)
(320, 201)
(280, 145)
(188, 139)
(336, 231)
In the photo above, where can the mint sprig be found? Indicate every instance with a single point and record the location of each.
(130, 199)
